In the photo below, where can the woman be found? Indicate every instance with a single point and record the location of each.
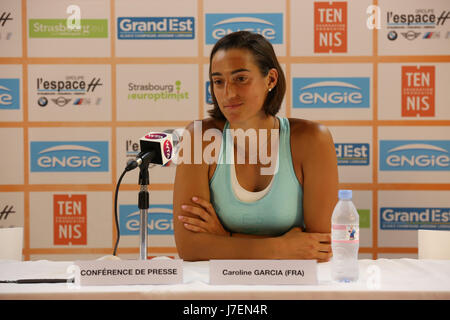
(224, 210)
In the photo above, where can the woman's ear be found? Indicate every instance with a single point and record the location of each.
(272, 78)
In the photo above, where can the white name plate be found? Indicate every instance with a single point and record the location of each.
(128, 272)
(263, 272)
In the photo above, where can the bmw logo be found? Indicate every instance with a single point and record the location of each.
(42, 101)
(392, 35)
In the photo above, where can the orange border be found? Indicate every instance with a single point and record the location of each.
(202, 61)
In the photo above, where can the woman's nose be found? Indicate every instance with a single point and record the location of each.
(230, 90)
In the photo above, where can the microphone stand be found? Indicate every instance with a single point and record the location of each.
(143, 204)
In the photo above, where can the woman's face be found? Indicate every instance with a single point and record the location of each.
(239, 87)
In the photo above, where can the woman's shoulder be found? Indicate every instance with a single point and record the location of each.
(307, 130)
(310, 141)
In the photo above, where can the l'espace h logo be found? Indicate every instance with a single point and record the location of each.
(148, 28)
(69, 156)
(160, 219)
(9, 94)
(269, 25)
(331, 92)
(415, 155)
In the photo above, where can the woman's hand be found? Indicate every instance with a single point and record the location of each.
(310, 246)
(206, 219)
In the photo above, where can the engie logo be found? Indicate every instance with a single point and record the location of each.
(269, 25)
(144, 28)
(9, 94)
(69, 219)
(330, 27)
(160, 219)
(352, 154)
(331, 92)
(208, 95)
(414, 218)
(415, 155)
(418, 91)
(69, 156)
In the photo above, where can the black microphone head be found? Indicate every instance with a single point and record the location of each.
(160, 144)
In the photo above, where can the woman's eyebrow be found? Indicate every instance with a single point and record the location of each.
(232, 72)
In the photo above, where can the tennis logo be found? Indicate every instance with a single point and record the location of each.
(269, 25)
(415, 155)
(69, 219)
(330, 27)
(418, 91)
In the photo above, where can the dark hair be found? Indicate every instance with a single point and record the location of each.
(264, 57)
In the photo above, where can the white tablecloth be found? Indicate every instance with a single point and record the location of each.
(379, 279)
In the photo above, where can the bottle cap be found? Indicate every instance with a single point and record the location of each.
(345, 194)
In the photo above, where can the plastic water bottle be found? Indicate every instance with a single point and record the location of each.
(345, 239)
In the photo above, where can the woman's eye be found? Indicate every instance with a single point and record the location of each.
(217, 82)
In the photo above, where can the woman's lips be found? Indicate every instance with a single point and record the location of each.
(233, 106)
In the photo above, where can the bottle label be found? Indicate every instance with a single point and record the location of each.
(345, 233)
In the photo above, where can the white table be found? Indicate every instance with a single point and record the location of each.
(379, 279)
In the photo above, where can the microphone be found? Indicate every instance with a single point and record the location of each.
(156, 148)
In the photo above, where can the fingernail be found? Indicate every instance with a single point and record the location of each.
(194, 198)
(180, 217)
(183, 206)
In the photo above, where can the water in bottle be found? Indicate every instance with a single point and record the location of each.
(345, 239)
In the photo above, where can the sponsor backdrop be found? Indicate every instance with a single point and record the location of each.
(81, 81)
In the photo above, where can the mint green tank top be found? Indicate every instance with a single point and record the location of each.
(277, 212)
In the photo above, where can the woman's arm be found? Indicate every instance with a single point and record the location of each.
(320, 179)
(192, 180)
(195, 241)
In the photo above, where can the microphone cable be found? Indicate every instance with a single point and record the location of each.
(116, 216)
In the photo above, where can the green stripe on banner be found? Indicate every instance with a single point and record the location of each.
(57, 28)
(364, 218)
